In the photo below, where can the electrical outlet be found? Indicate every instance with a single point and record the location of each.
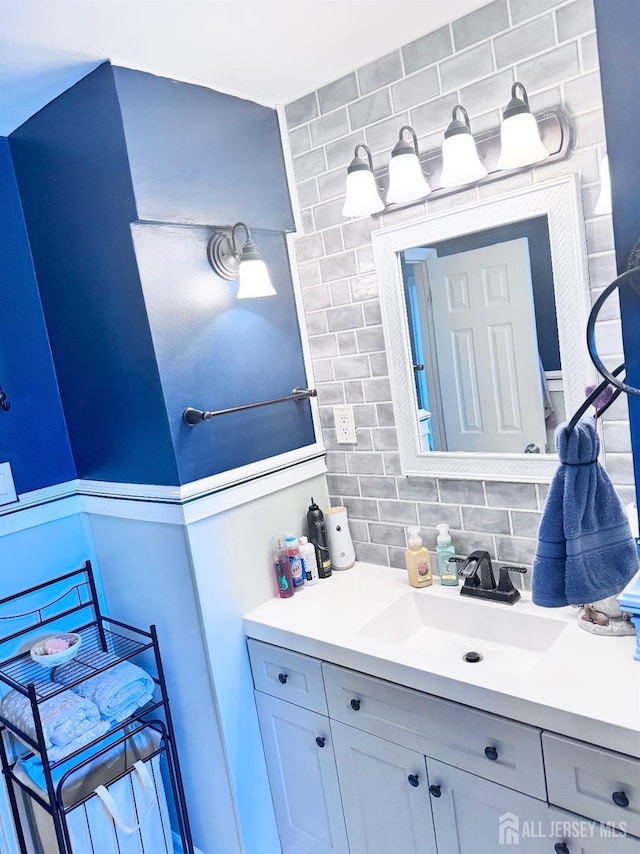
(345, 425)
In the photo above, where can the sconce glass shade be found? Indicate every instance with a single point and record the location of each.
(519, 135)
(460, 161)
(247, 266)
(362, 194)
(407, 182)
(254, 280)
(603, 205)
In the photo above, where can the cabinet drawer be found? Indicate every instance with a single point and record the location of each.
(593, 782)
(492, 747)
(288, 675)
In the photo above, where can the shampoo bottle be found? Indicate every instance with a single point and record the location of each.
(417, 559)
(444, 550)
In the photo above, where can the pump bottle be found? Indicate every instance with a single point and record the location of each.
(417, 560)
(445, 550)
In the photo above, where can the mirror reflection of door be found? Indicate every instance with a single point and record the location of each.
(473, 328)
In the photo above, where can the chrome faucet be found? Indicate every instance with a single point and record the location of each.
(479, 580)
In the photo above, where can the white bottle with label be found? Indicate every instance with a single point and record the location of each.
(444, 550)
(309, 561)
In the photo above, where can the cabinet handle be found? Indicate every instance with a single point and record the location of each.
(320, 740)
(355, 705)
(620, 799)
(282, 678)
(561, 848)
(435, 791)
(414, 780)
(491, 753)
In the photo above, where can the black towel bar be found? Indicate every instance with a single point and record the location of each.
(192, 416)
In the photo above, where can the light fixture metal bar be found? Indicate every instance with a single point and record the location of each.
(192, 416)
(556, 132)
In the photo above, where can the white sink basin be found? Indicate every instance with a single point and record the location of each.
(452, 625)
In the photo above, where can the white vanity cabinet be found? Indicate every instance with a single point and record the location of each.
(298, 749)
(385, 794)
(409, 773)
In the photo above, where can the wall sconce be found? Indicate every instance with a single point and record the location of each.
(407, 182)
(604, 205)
(363, 197)
(246, 265)
(460, 161)
(519, 134)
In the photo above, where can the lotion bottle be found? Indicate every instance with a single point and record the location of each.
(308, 555)
(417, 559)
(444, 550)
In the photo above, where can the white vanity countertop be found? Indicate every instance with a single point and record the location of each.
(584, 686)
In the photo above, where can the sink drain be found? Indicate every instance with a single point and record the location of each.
(472, 657)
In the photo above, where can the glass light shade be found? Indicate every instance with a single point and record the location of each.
(406, 180)
(254, 280)
(520, 142)
(460, 161)
(603, 205)
(362, 197)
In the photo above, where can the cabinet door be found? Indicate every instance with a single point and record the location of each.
(302, 773)
(473, 815)
(385, 794)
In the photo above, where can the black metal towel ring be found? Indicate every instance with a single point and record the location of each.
(630, 276)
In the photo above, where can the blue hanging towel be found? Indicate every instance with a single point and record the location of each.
(585, 550)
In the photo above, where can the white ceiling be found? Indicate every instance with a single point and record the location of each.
(270, 51)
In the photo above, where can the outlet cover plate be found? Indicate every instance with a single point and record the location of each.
(7, 488)
(345, 425)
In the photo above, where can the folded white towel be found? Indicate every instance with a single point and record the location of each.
(68, 720)
(117, 692)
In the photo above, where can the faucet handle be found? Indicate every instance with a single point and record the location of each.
(504, 583)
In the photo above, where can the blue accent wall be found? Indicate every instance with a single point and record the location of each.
(617, 27)
(33, 435)
(199, 156)
(72, 169)
(122, 178)
(215, 352)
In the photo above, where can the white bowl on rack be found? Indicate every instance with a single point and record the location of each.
(38, 654)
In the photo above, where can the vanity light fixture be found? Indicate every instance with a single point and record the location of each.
(519, 135)
(407, 182)
(603, 205)
(246, 264)
(460, 161)
(363, 195)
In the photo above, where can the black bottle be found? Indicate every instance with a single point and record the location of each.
(317, 532)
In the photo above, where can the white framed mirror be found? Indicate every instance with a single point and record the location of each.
(480, 371)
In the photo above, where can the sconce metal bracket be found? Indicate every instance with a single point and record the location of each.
(192, 416)
(222, 255)
(556, 132)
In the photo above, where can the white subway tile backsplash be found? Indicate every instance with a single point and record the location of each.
(380, 72)
(337, 266)
(338, 93)
(415, 90)
(370, 109)
(467, 66)
(528, 39)
(479, 25)
(427, 50)
(575, 19)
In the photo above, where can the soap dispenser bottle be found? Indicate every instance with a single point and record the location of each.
(444, 551)
(417, 559)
